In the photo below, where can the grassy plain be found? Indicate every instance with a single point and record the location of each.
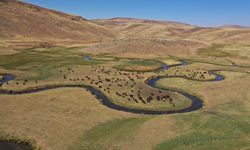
(72, 118)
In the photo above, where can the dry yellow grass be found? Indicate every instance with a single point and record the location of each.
(173, 30)
(235, 85)
(41, 27)
(144, 47)
(55, 118)
(152, 132)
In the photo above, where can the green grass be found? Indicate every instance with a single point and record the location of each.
(138, 65)
(109, 134)
(45, 62)
(214, 51)
(142, 62)
(223, 123)
(216, 132)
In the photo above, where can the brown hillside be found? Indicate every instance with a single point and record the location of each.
(145, 47)
(147, 28)
(22, 21)
(25, 25)
(175, 30)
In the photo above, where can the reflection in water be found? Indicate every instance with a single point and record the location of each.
(6, 78)
(87, 58)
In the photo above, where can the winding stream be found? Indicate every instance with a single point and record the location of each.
(11, 145)
(196, 102)
(6, 78)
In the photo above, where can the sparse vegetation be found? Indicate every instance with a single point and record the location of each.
(139, 65)
(214, 51)
(105, 135)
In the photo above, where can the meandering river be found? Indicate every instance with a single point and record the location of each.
(196, 101)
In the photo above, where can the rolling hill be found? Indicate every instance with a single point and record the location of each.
(25, 26)
(175, 30)
(150, 37)
(22, 24)
(145, 47)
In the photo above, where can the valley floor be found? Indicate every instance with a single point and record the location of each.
(74, 119)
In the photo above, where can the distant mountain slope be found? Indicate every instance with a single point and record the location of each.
(145, 47)
(175, 30)
(148, 28)
(24, 26)
(19, 20)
